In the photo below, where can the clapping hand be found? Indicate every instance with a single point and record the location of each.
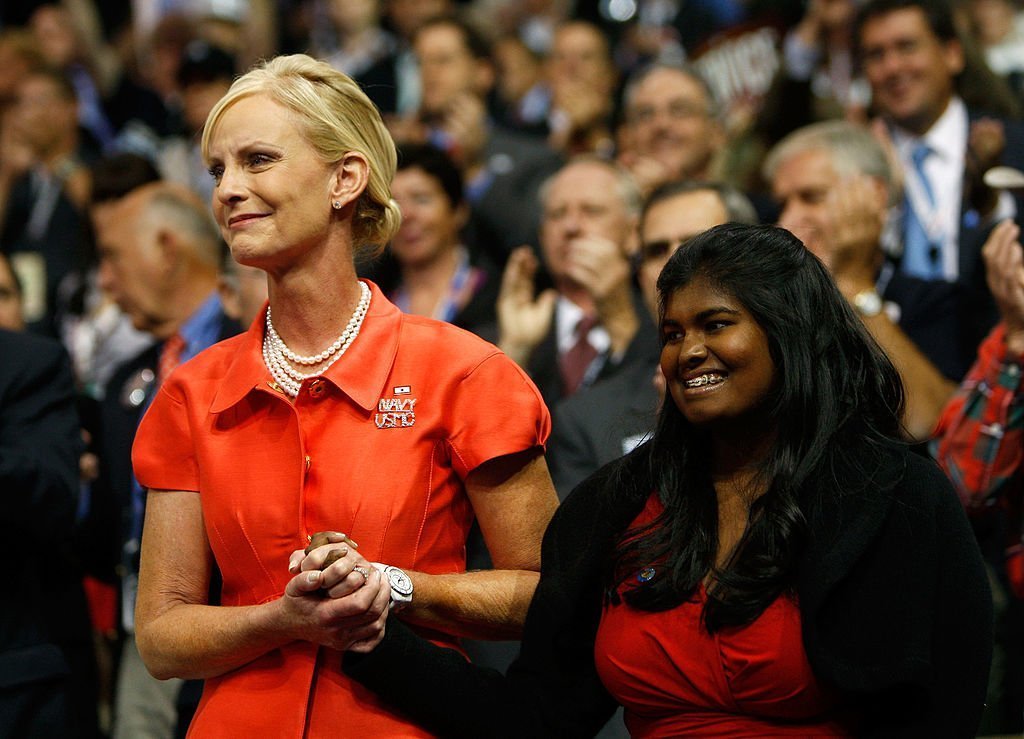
(1004, 270)
(523, 320)
(853, 229)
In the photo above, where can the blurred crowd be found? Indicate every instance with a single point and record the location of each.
(552, 155)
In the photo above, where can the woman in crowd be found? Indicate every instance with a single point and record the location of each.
(771, 562)
(335, 413)
(436, 275)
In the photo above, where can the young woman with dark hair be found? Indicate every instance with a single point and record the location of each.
(773, 561)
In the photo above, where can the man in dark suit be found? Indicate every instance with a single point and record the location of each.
(592, 323)
(47, 670)
(160, 255)
(912, 58)
(603, 422)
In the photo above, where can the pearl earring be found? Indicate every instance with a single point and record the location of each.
(336, 204)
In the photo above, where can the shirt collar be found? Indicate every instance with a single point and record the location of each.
(202, 327)
(947, 137)
(360, 374)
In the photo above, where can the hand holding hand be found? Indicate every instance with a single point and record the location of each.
(336, 597)
(334, 554)
(355, 621)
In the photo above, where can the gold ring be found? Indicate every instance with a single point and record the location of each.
(365, 572)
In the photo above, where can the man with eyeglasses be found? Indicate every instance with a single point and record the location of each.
(609, 419)
(672, 131)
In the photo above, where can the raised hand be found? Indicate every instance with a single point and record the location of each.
(523, 320)
(354, 621)
(336, 598)
(1004, 270)
(856, 211)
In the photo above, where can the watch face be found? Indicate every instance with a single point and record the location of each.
(400, 582)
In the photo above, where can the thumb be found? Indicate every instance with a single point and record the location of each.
(546, 301)
(303, 583)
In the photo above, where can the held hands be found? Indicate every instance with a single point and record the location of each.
(336, 598)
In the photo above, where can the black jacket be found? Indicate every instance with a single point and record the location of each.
(47, 678)
(895, 606)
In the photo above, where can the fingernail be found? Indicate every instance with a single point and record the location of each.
(294, 567)
(313, 576)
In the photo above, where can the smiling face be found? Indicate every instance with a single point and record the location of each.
(272, 194)
(910, 69)
(669, 116)
(430, 226)
(715, 358)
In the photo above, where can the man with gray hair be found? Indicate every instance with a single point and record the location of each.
(834, 185)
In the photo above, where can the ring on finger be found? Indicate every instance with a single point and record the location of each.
(364, 571)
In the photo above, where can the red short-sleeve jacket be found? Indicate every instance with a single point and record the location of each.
(378, 447)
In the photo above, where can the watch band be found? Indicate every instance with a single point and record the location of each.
(400, 582)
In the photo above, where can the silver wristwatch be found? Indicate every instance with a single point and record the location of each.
(401, 585)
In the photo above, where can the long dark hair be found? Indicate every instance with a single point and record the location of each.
(837, 401)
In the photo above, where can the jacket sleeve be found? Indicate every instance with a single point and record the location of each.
(962, 634)
(949, 698)
(552, 689)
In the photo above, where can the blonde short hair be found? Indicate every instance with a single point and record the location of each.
(336, 117)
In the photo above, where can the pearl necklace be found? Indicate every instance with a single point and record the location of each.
(277, 355)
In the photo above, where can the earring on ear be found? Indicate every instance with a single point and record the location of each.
(336, 205)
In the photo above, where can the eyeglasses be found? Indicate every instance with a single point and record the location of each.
(677, 110)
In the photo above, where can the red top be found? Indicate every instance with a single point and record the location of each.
(378, 447)
(675, 679)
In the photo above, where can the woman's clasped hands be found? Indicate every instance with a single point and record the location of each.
(336, 598)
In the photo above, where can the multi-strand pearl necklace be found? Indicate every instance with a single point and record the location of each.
(277, 356)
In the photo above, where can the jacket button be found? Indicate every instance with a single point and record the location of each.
(316, 388)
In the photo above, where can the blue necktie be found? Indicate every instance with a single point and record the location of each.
(921, 257)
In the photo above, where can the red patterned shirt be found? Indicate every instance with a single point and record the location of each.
(979, 442)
